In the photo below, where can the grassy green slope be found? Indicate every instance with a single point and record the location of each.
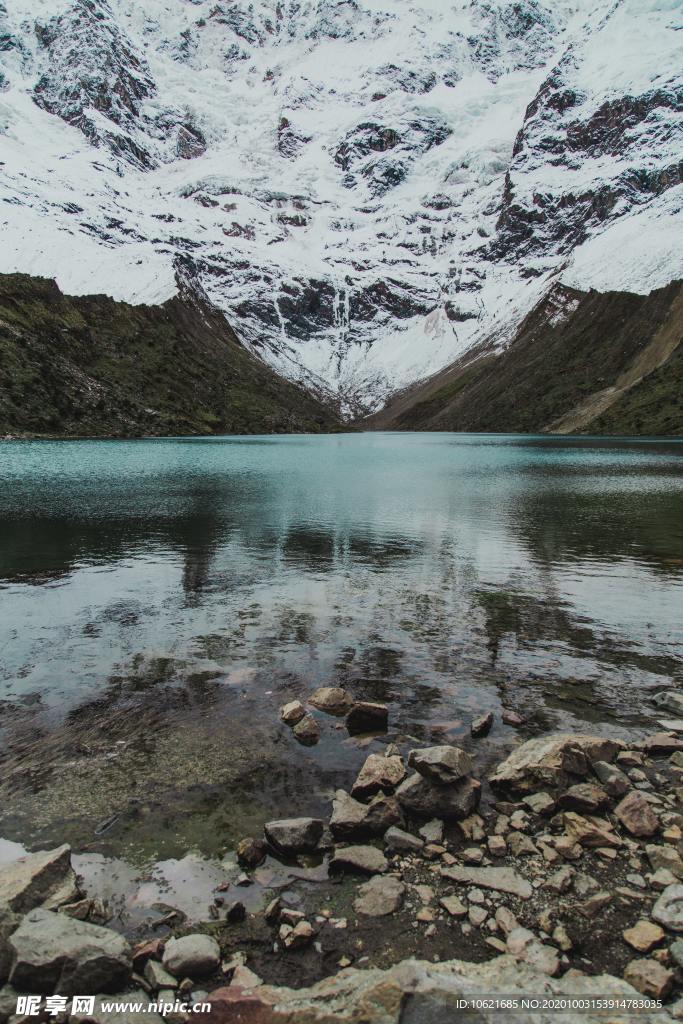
(553, 365)
(90, 366)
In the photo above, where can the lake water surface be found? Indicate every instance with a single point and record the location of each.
(159, 601)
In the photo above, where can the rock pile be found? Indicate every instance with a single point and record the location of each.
(360, 716)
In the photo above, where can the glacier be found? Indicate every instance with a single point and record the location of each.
(365, 188)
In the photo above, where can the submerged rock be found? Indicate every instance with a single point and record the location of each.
(307, 731)
(482, 726)
(54, 953)
(294, 835)
(332, 699)
(367, 717)
(293, 712)
(442, 764)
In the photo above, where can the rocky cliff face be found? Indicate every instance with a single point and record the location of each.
(367, 189)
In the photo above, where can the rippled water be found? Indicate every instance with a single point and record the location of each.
(159, 599)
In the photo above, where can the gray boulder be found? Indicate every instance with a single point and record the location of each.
(613, 780)
(53, 953)
(442, 764)
(378, 773)
(380, 896)
(365, 860)
(553, 761)
(45, 879)
(668, 910)
(402, 842)
(353, 820)
(294, 835)
(192, 956)
(332, 699)
(456, 801)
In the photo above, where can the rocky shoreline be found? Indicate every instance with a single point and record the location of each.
(561, 872)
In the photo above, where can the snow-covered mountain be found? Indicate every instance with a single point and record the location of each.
(366, 188)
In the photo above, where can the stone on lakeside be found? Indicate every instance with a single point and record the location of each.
(432, 831)
(643, 936)
(352, 819)
(362, 859)
(589, 832)
(293, 712)
(416, 992)
(332, 699)
(307, 731)
(294, 835)
(585, 797)
(668, 910)
(378, 773)
(442, 764)
(591, 907)
(158, 977)
(670, 700)
(561, 880)
(399, 841)
(481, 726)
(44, 879)
(612, 779)
(665, 857)
(636, 815)
(192, 956)
(524, 945)
(520, 845)
(366, 716)
(57, 954)
(251, 852)
(540, 803)
(380, 896)
(510, 717)
(661, 743)
(552, 761)
(497, 846)
(453, 906)
(298, 936)
(456, 801)
(245, 978)
(649, 977)
(498, 879)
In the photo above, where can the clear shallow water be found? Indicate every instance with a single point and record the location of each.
(160, 599)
